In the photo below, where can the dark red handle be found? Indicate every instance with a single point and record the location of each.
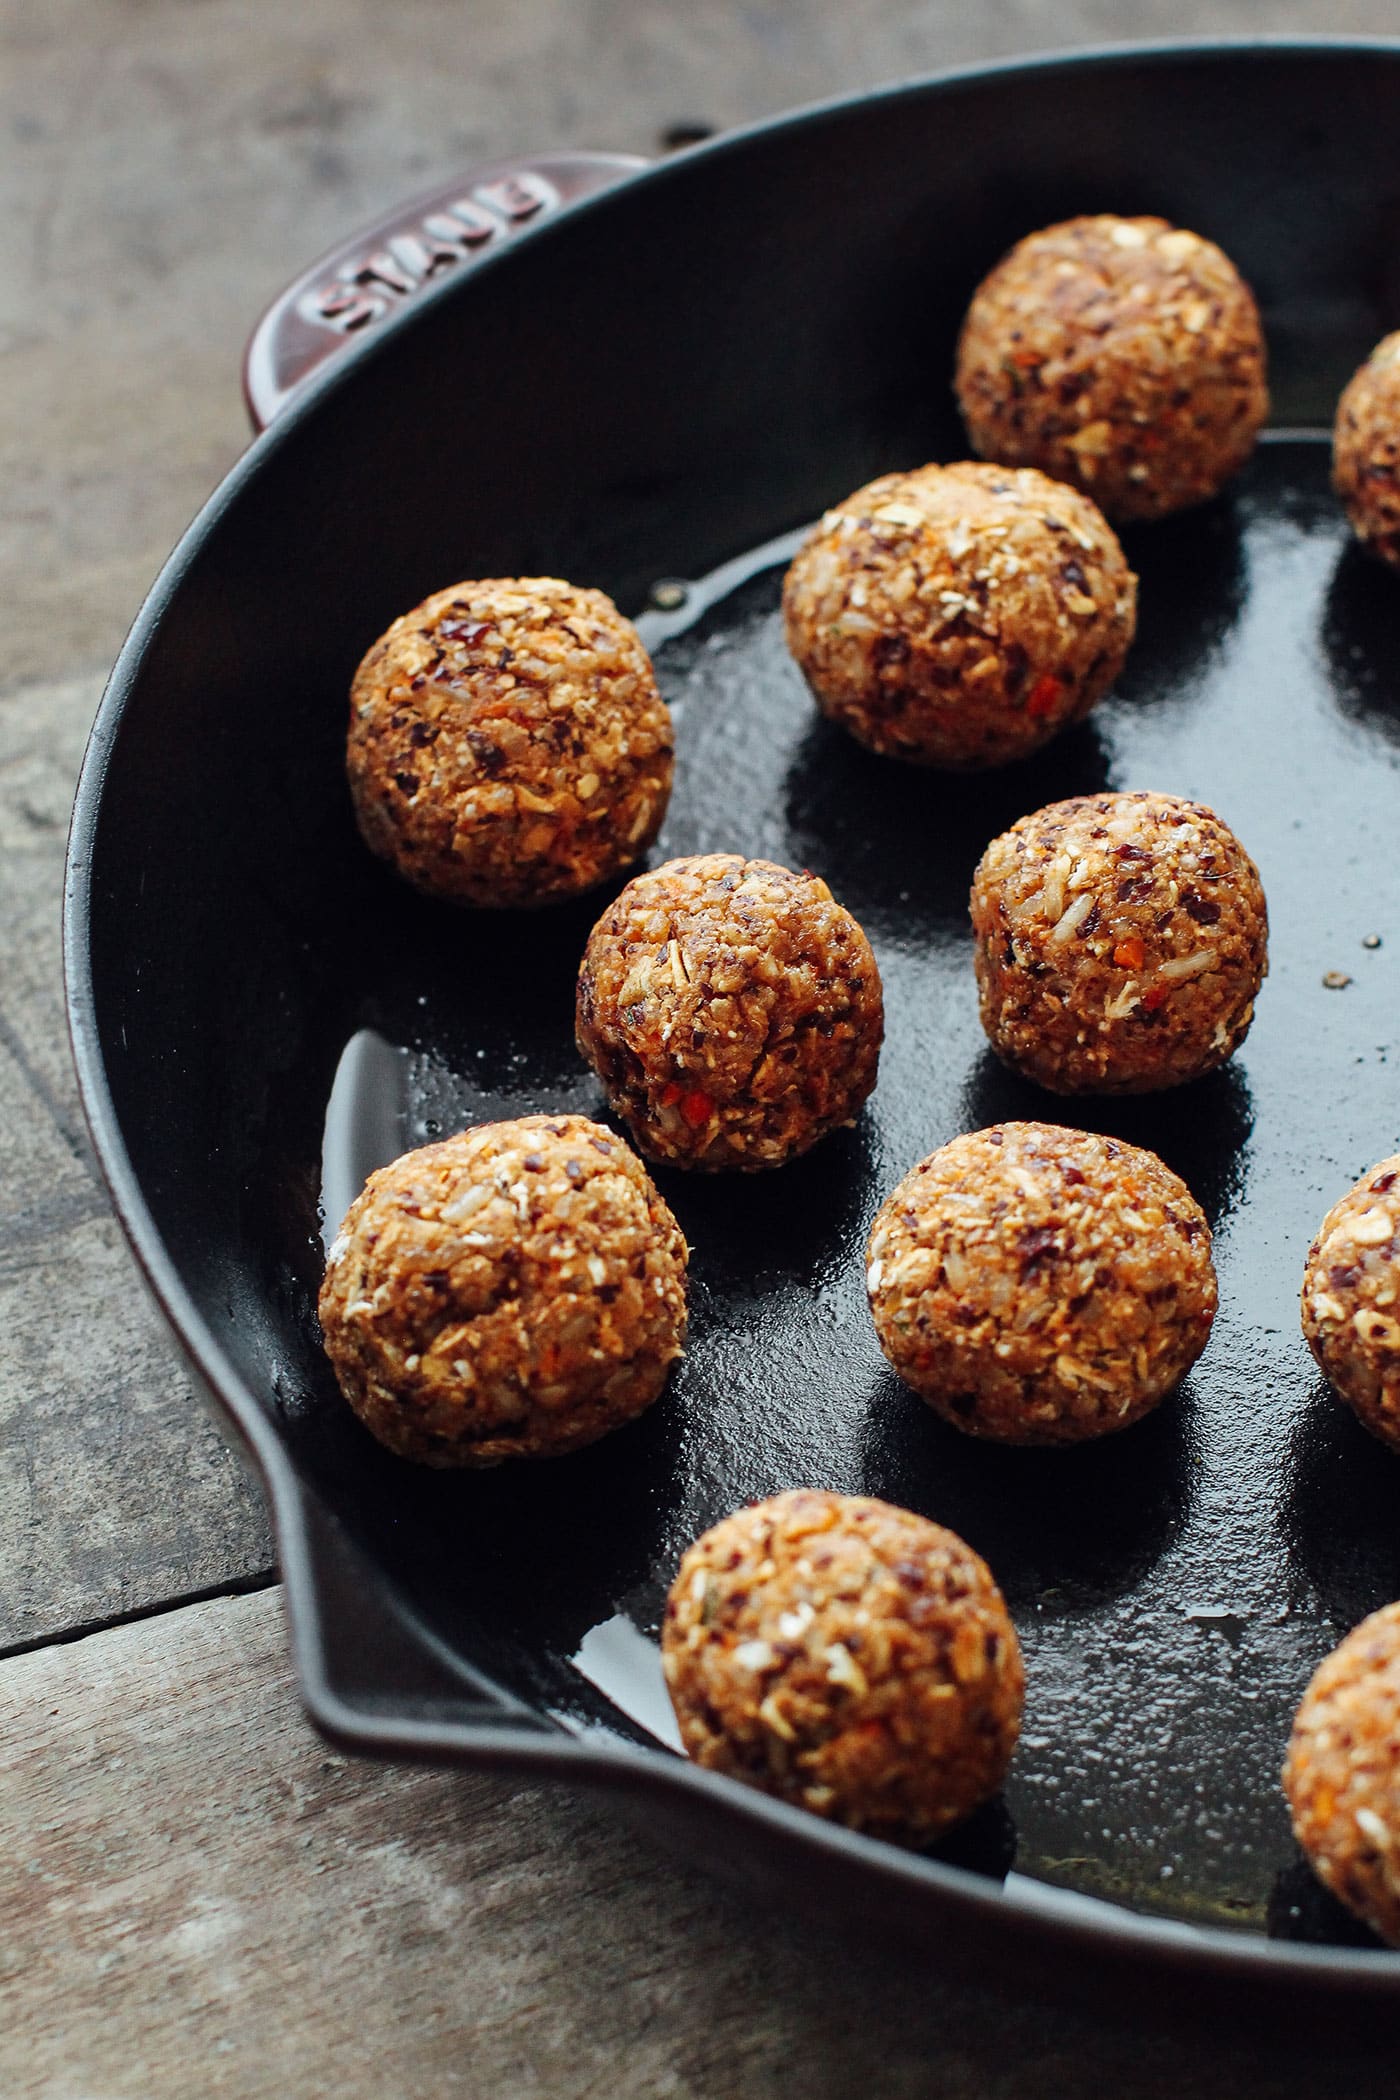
(379, 269)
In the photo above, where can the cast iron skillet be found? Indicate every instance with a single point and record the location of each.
(650, 385)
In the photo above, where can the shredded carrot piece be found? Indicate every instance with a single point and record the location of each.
(1045, 694)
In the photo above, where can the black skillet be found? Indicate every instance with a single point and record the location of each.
(650, 385)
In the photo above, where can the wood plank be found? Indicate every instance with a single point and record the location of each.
(200, 1898)
(116, 1492)
(223, 146)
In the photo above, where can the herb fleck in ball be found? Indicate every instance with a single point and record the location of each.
(1120, 943)
(1366, 451)
(1124, 355)
(959, 616)
(732, 1010)
(508, 745)
(1351, 1299)
(513, 1292)
(1342, 1775)
(847, 1657)
(1041, 1286)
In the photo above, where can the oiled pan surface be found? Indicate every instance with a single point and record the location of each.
(1173, 1586)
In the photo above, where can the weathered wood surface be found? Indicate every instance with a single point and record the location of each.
(196, 1897)
(199, 1898)
(169, 165)
(115, 1492)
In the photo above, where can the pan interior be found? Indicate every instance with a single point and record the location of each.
(1174, 1586)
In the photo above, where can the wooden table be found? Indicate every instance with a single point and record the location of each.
(196, 1897)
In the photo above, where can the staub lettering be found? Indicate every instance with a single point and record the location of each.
(377, 274)
(364, 289)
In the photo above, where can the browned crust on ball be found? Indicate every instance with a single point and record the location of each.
(513, 1292)
(1124, 355)
(508, 745)
(1039, 1285)
(1120, 943)
(1351, 1299)
(847, 1657)
(1366, 451)
(733, 1011)
(959, 616)
(1342, 1773)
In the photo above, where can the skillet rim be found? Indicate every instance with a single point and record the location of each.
(1045, 1919)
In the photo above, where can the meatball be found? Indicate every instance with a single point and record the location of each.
(512, 1292)
(1342, 1774)
(1039, 1285)
(959, 616)
(1124, 355)
(1121, 941)
(732, 1010)
(508, 745)
(847, 1657)
(1351, 1299)
(1366, 451)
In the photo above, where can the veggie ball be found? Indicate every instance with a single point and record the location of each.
(1366, 451)
(1351, 1299)
(512, 1292)
(959, 616)
(847, 1657)
(508, 745)
(1121, 941)
(1342, 1774)
(1124, 355)
(732, 1010)
(1039, 1285)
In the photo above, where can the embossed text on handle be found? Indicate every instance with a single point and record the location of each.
(362, 290)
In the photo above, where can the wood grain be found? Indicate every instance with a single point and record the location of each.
(116, 1492)
(171, 165)
(200, 1898)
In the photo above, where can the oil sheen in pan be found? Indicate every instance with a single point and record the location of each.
(1173, 1587)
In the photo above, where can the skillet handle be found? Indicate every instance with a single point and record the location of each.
(341, 297)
